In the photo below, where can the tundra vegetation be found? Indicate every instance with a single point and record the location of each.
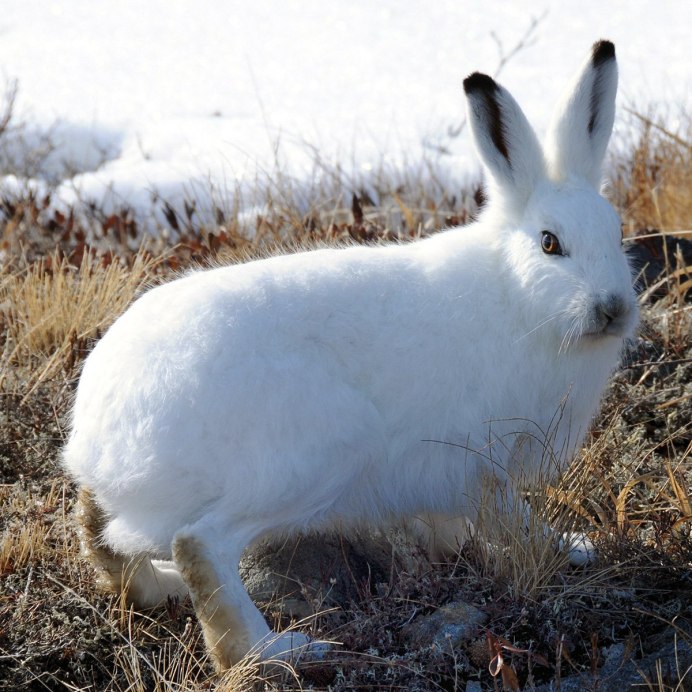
(66, 275)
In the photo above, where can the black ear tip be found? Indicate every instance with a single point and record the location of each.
(601, 52)
(479, 82)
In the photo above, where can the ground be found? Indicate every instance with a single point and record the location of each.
(63, 280)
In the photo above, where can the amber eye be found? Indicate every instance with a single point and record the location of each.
(550, 244)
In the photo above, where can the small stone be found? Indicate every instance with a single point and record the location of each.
(448, 627)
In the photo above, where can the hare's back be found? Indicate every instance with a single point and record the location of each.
(171, 400)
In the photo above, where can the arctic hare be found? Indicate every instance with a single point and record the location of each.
(318, 389)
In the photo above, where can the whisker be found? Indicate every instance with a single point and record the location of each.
(571, 333)
(568, 339)
(555, 315)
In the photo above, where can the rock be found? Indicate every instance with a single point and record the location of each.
(620, 672)
(651, 254)
(309, 574)
(450, 626)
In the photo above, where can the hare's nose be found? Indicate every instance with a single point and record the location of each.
(613, 307)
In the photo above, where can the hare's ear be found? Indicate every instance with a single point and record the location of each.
(583, 120)
(504, 139)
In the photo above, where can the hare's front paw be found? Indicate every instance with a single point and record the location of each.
(290, 646)
(579, 548)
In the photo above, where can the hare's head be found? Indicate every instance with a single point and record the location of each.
(561, 239)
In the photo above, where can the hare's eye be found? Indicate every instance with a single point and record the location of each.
(550, 244)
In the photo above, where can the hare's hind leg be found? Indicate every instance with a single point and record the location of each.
(232, 625)
(441, 535)
(145, 584)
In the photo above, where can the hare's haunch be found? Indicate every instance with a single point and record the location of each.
(321, 388)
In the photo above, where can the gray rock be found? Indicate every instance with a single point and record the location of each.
(309, 574)
(450, 626)
(619, 672)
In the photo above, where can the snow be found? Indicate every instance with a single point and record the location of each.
(173, 99)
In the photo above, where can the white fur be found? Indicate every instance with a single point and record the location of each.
(570, 147)
(321, 387)
(511, 185)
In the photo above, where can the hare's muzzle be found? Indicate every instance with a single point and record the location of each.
(610, 316)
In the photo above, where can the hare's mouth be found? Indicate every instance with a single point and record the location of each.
(614, 329)
(608, 318)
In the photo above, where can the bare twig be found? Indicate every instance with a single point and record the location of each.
(526, 40)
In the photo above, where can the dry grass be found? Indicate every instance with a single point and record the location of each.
(652, 185)
(630, 490)
(52, 310)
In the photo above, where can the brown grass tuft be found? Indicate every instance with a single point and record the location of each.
(652, 182)
(53, 309)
